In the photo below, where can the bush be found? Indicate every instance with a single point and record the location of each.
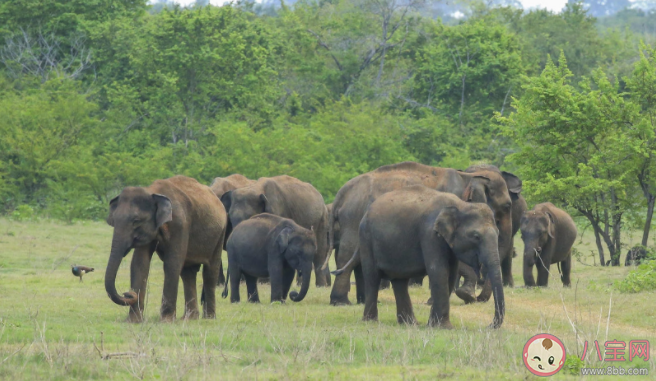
(643, 278)
(573, 365)
(22, 213)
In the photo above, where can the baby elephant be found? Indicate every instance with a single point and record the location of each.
(271, 246)
(548, 234)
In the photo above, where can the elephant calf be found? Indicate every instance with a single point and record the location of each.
(548, 234)
(416, 231)
(271, 246)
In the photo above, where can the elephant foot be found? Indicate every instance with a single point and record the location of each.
(466, 295)
(442, 324)
(370, 318)
(167, 318)
(340, 302)
(406, 320)
(483, 298)
(191, 315)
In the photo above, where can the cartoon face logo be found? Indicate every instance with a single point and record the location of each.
(544, 355)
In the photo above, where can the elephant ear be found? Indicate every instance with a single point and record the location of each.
(283, 239)
(164, 209)
(226, 200)
(447, 223)
(113, 203)
(513, 182)
(551, 225)
(476, 190)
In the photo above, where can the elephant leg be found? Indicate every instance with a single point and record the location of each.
(299, 279)
(416, 281)
(276, 271)
(506, 271)
(566, 269)
(404, 313)
(342, 284)
(172, 270)
(251, 289)
(211, 276)
(188, 276)
(372, 278)
(543, 272)
(287, 280)
(326, 274)
(467, 291)
(359, 284)
(320, 256)
(235, 280)
(221, 281)
(139, 269)
(439, 283)
(454, 274)
(529, 280)
(384, 284)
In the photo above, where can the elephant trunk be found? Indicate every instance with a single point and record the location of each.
(307, 274)
(493, 267)
(119, 250)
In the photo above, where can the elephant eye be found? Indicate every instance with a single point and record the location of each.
(476, 237)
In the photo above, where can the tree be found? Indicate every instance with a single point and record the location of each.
(642, 87)
(574, 148)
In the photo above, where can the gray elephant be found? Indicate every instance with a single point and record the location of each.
(287, 197)
(548, 234)
(418, 231)
(358, 193)
(466, 292)
(221, 185)
(181, 220)
(269, 246)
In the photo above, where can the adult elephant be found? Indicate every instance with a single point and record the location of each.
(358, 193)
(287, 197)
(221, 185)
(417, 231)
(181, 220)
(466, 292)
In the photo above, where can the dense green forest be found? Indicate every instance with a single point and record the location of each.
(96, 95)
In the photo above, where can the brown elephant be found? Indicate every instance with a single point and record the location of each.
(220, 186)
(466, 292)
(287, 197)
(358, 193)
(181, 220)
(416, 231)
(548, 234)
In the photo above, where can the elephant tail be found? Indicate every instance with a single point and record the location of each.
(348, 264)
(224, 294)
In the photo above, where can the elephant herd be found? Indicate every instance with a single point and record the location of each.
(399, 222)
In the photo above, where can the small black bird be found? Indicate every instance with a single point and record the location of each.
(80, 270)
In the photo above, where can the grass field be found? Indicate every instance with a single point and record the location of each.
(54, 327)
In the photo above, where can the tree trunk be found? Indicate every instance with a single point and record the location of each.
(650, 213)
(600, 247)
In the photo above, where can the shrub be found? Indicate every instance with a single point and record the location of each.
(643, 278)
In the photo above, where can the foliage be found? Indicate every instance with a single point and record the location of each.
(573, 365)
(643, 278)
(573, 149)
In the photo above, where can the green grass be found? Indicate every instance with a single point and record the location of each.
(51, 324)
